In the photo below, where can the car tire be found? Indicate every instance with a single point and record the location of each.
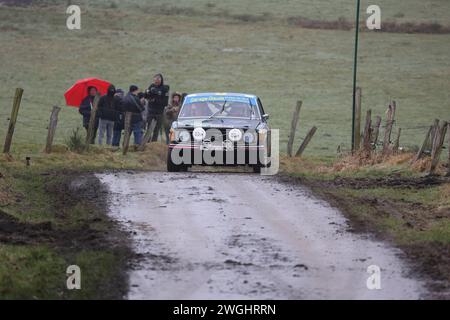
(257, 169)
(172, 167)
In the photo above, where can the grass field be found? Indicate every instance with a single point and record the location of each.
(205, 45)
(244, 46)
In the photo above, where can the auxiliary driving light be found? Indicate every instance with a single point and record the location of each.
(235, 135)
(184, 136)
(249, 137)
(199, 134)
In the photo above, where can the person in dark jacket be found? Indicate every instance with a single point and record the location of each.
(107, 114)
(158, 98)
(119, 117)
(133, 104)
(85, 111)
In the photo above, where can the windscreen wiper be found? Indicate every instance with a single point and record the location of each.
(218, 112)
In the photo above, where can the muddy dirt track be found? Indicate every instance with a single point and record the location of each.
(245, 236)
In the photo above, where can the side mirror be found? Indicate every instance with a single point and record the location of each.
(265, 116)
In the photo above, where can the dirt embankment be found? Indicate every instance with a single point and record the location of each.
(367, 212)
(80, 224)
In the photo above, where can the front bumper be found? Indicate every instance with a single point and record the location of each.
(195, 154)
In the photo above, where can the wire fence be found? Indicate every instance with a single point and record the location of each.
(34, 129)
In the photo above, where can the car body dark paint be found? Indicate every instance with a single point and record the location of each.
(255, 124)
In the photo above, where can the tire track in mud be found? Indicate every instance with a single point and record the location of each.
(240, 236)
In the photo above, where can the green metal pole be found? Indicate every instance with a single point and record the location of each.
(355, 69)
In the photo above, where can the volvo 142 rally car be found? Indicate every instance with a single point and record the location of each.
(220, 129)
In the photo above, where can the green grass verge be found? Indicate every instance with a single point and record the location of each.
(39, 272)
(35, 267)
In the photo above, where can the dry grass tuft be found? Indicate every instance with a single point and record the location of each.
(95, 158)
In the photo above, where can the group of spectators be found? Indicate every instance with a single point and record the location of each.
(150, 106)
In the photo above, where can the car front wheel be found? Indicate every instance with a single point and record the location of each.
(172, 167)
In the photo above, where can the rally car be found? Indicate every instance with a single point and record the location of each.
(219, 129)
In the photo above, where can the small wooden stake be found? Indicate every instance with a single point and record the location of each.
(148, 135)
(376, 130)
(389, 125)
(306, 141)
(295, 118)
(127, 136)
(91, 127)
(52, 128)
(437, 146)
(397, 141)
(13, 119)
(368, 132)
(358, 119)
(424, 145)
(434, 130)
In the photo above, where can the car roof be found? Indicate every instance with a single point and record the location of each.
(208, 94)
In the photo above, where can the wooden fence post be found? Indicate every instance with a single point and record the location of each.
(13, 119)
(424, 145)
(294, 123)
(148, 135)
(357, 130)
(388, 129)
(397, 141)
(52, 128)
(306, 141)
(376, 131)
(91, 128)
(367, 132)
(437, 146)
(434, 130)
(127, 136)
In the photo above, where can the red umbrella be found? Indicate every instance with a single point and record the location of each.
(78, 91)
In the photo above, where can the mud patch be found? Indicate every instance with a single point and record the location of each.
(430, 260)
(391, 182)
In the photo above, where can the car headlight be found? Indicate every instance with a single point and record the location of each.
(235, 135)
(262, 135)
(199, 134)
(184, 136)
(249, 137)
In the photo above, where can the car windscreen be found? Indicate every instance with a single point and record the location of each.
(220, 107)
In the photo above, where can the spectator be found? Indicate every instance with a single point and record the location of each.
(158, 97)
(171, 113)
(144, 103)
(133, 104)
(119, 117)
(107, 114)
(85, 110)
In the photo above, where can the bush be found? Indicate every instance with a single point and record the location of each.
(76, 142)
